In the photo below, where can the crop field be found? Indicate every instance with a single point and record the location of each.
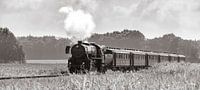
(163, 76)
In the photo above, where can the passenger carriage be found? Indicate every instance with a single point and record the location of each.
(131, 58)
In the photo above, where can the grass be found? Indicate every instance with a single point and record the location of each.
(163, 76)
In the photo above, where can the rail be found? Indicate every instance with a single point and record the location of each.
(28, 77)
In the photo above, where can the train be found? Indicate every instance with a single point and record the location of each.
(89, 56)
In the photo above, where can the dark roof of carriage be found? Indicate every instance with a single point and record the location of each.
(143, 52)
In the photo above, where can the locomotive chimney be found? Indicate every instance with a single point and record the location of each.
(79, 42)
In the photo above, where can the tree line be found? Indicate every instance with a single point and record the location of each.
(135, 39)
(44, 48)
(50, 47)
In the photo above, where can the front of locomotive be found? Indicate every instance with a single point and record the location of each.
(79, 61)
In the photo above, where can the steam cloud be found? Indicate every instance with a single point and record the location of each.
(79, 24)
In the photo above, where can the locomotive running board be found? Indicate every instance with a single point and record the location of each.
(28, 77)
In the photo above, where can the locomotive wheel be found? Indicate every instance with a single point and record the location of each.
(72, 70)
(98, 65)
(84, 68)
(93, 65)
(71, 67)
(103, 69)
(87, 65)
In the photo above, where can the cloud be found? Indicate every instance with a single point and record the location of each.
(79, 23)
(21, 4)
(149, 16)
(177, 16)
(163, 16)
(86, 5)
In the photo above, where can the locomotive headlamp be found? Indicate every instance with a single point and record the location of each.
(67, 49)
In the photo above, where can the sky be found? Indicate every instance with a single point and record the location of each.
(81, 18)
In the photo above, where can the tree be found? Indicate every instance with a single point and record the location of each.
(10, 50)
(124, 39)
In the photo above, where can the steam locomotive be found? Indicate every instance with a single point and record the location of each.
(90, 56)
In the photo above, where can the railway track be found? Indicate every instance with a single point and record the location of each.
(29, 77)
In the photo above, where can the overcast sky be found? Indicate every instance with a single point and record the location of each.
(152, 17)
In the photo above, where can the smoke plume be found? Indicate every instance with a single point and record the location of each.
(79, 24)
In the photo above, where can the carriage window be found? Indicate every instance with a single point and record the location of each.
(139, 57)
(124, 56)
(117, 55)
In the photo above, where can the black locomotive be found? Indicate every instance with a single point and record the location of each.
(93, 57)
(85, 57)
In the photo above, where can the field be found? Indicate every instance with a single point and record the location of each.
(163, 76)
(17, 70)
